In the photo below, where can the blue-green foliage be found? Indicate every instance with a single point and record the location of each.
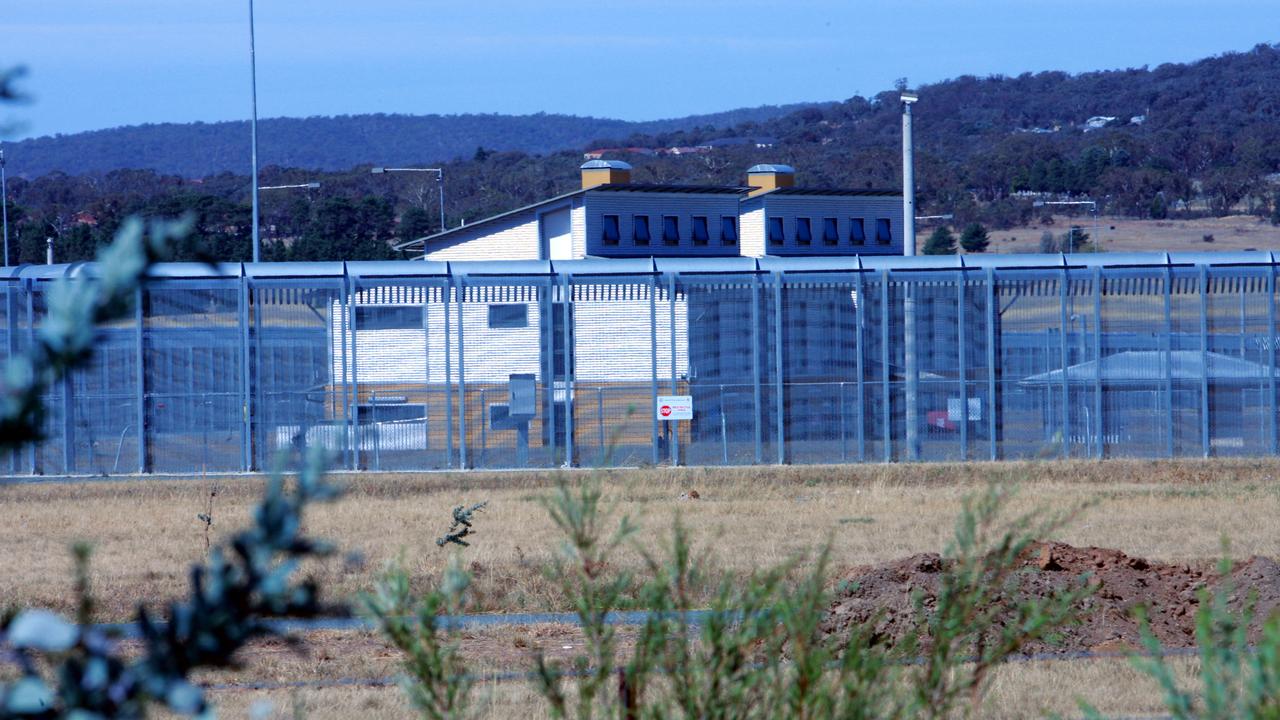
(245, 581)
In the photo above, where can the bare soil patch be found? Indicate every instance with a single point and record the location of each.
(893, 594)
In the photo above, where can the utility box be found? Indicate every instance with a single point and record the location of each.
(523, 391)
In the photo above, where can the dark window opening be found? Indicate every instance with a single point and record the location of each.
(508, 316)
(830, 232)
(389, 412)
(698, 226)
(884, 235)
(776, 235)
(857, 232)
(728, 230)
(804, 233)
(389, 317)
(609, 231)
(640, 229)
(670, 230)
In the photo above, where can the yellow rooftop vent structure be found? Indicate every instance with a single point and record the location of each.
(767, 177)
(605, 172)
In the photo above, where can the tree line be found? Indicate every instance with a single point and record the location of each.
(1178, 140)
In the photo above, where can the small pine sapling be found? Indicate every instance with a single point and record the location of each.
(461, 526)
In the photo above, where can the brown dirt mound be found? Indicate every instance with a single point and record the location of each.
(1170, 593)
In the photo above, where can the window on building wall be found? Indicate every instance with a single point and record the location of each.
(804, 231)
(776, 234)
(505, 317)
(884, 234)
(699, 232)
(728, 230)
(640, 229)
(670, 230)
(610, 233)
(389, 317)
(830, 232)
(857, 232)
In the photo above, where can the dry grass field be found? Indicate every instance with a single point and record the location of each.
(145, 533)
(1234, 232)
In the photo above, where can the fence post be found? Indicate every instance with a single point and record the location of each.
(246, 391)
(859, 322)
(963, 360)
(1271, 358)
(1098, 425)
(460, 282)
(993, 404)
(758, 396)
(348, 371)
(653, 362)
(353, 317)
(566, 291)
(1066, 375)
(780, 388)
(887, 410)
(1168, 355)
(673, 425)
(1204, 361)
(141, 380)
(445, 291)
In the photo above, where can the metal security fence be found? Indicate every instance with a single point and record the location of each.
(420, 366)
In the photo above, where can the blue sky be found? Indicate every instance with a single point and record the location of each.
(102, 63)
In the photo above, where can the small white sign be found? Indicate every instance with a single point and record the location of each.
(675, 407)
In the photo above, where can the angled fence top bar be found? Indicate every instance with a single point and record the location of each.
(660, 265)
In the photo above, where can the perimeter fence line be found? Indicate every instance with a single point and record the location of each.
(413, 365)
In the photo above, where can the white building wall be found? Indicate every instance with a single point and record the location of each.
(516, 238)
(751, 230)
(578, 223)
(612, 344)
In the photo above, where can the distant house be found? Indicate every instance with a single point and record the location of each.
(1097, 122)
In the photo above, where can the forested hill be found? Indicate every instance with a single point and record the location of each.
(1179, 140)
(335, 143)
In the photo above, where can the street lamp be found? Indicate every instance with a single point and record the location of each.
(308, 186)
(1093, 206)
(439, 182)
(4, 207)
(253, 130)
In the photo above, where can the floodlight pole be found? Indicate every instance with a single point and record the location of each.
(439, 183)
(253, 130)
(4, 207)
(912, 414)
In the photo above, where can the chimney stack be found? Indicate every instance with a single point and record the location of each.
(605, 172)
(764, 178)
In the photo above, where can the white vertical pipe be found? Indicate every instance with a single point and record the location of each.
(253, 129)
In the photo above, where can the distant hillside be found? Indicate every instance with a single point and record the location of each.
(1178, 141)
(335, 143)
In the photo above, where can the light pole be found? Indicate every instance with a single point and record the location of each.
(253, 129)
(1093, 206)
(908, 299)
(4, 207)
(439, 182)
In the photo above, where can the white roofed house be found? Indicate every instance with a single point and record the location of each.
(599, 359)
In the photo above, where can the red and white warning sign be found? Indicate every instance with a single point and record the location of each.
(675, 407)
